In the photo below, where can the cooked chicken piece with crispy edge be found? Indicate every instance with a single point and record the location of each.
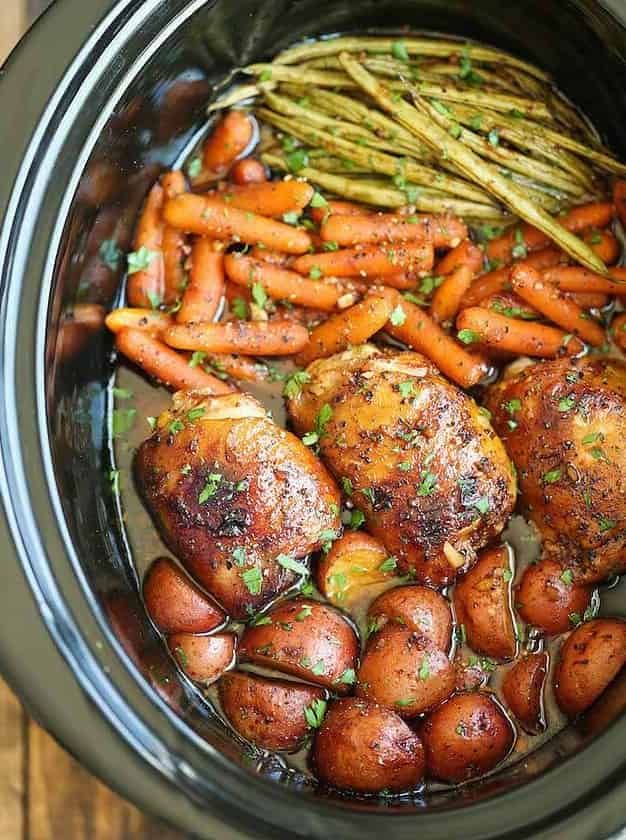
(236, 497)
(418, 456)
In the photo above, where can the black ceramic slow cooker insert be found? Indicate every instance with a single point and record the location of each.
(100, 97)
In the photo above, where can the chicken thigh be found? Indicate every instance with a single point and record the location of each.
(417, 455)
(236, 497)
(564, 425)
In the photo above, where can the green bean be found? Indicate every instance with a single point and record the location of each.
(413, 46)
(239, 94)
(375, 161)
(323, 78)
(479, 99)
(378, 194)
(474, 167)
(442, 68)
(335, 165)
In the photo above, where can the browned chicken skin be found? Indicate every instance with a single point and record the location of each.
(231, 492)
(426, 468)
(564, 425)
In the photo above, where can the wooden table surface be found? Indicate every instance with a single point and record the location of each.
(44, 793)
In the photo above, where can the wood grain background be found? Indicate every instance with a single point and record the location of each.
(44, 793)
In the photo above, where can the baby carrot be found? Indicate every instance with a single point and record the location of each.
(146, 320)
(619, 199)
(338, 208)
(252, 338)
(462, 263)
(604, 244)
(174, 241)
(146, 277)
(381, 228)
(165, 364)
(273, 257)
(271, 198)
(228, 140)
(248, 171)
(522, 338)
(351, 327)
(369, 260)
(574, 278)
(212, 217)
(414, 327)
(244, 368)
(201, 298)
(500, 279)
(528, 238)
(588, 300)
(509, 304)
(464, 254)
(618, 330)
(529, 285)
(280, 283)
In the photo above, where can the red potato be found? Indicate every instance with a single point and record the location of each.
(306, 639)
(402, 671)
(482, 599)
(466, 736)
(203, 658)
(227, 141)
(365, 748)
(548, 595)
(175, 603)
(523, 691)
(590, 660)
(248, 171)
(352, 565)
(417, 608)
(270, 713)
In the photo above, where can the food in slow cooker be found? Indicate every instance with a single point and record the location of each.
(405, 251)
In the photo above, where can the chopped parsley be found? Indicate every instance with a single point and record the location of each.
(110, 254)
(294, 383)
(291, 565)
(398, 316)
(468, 336)
(567, 577)
(253, 580)
(140, 260)
(428, 485)
(123, 420)
(552, 476)
(424, 671)
(347, 678)
(399, 51)
(388, 565)
(210, 488)
(314, 714)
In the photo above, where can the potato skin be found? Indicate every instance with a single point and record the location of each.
(337, 579)
(267, 712)
(398, 671)
(307, 639)
(546, 601)
(175, 603)
(590, 659)
(522, 689)
(482, 604)
(563, 424)
(466, 736)
(365, 748)
(418, 451)
(203, 658)
(417, 608)
(272, 496)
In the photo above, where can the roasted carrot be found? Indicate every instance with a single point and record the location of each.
(338, 208)
(462, 263)
(464, 254)
(212, 217)
(227, 141)
(619, 199)
(415, 328)
(146, 276)
(173, 183)
(244, 368)
(574, 278)
(254, 338)
(604, 244)
(350, 328)
(588, 300)
(271, 198)
(382, 228)
(174, 241)
(509, 304)
(550, 301)
(370, 260)
(201, 298)
(400, 281)
(273, 257)
(163, 363)
(146, 320)
(618, 331)
(522, 338)
(528, 238)
(282, 284)
(500, 279)
(248, 171)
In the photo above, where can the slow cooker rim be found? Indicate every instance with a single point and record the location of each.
(56, 615)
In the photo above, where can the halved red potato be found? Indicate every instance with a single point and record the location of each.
(273, 714)
(482, 602)
(366, 748)
(466, 736)
(203, 658)
(175, 603)
(307, 639)
(354, 562)
(403, 673)
(472, 672)
(418, 608)
(590, 660)
(548, 595)
(522, 688)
